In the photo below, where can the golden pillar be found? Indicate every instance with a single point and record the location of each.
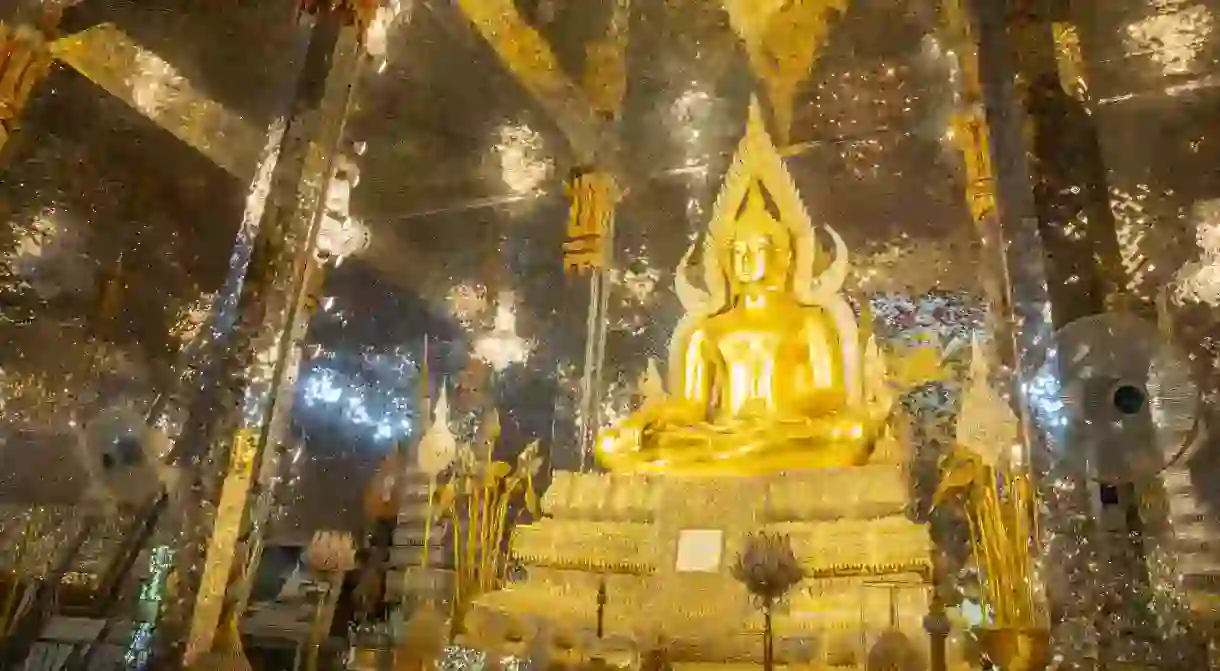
(588, 247)
(1054, 231)
(231, 424)
(970, 134)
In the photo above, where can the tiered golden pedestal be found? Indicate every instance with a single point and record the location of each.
(659, 550)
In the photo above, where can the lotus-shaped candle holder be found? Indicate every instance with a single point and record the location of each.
(331, 552)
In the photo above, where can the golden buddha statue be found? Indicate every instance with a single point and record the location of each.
(765, 370)
(767, 373)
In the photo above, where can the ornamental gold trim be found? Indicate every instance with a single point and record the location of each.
(24, 61)
(602, 546)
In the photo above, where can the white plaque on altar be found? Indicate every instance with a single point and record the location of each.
(699, 550)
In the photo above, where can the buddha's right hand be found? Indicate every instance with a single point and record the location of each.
(633, 433)
(671, 413)
(632, 428)
(617, 446)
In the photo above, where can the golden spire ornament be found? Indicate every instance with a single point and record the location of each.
(986, 424)
(437, 450)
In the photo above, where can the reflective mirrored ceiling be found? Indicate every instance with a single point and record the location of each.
(121, 216)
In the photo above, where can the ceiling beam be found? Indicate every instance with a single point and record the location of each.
(530, 59)
(154, 88)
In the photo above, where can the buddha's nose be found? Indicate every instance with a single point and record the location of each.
(757, 264)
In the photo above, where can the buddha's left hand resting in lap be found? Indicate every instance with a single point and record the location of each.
(760, 385)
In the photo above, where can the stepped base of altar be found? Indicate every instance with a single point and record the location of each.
(646, 562)
(750, 666)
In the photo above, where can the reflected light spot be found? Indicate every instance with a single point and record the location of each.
(687, 114)
(1199, 281)
(502, 347)
(42, 232)
(1173, 38)
(466, 303)
(640, 284)
(340, 238)
(152, 82)
(367, 406)
(523, 165)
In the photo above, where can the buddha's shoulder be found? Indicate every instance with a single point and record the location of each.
(796, 317)
(714, 327)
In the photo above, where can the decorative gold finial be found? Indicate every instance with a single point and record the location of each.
(986, 423)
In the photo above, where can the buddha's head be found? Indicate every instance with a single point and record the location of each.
(757, 252)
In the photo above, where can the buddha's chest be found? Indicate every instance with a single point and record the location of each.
(770, 353)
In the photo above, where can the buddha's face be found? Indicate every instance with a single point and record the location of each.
(758, 259)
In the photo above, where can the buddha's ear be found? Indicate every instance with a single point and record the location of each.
(804, 260)
(827, 284)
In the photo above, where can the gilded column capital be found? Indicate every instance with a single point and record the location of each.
(24, 60)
